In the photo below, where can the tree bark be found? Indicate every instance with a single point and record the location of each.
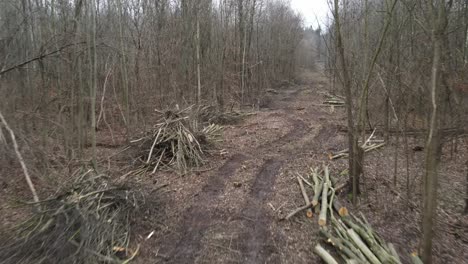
(347, 89)
(433, 139)
(199, 94)
(466, 194)
(93, 82)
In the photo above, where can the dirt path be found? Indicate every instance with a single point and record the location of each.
(230, 214)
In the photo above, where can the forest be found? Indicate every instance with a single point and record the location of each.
(231, 131)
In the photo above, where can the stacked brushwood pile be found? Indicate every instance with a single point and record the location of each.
(88, 222)
(178, 141)
(352, 237)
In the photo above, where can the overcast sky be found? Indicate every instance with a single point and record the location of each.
(312, 10)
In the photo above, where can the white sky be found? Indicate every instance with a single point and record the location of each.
(312, 10)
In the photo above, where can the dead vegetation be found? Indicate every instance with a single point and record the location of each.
(87, 222)
(210, 114)
(181, 138)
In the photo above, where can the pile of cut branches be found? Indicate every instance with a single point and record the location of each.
(353, 238)
(356, 242)
(88, 222)
(333, 100)
(323, 187)
(210, 114)
(177, 142)
(370, 145)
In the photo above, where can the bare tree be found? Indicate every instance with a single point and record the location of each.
(346, 81)
(433, 145)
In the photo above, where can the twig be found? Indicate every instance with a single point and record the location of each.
(304, 180)
(297, 210)
(20, 159)
(367, 141)
(154, 144)
(159, 161)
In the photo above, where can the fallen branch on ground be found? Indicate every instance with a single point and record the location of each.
(333, 101)
(323, 212)
(323, 253)
(317, 187)
(367, 148)
(306, 197)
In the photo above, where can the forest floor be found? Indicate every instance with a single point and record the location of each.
(230, 213)
(230, 210)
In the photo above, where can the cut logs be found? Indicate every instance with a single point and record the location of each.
(323, 212)
(369, 145)
(333, 100)
(353, 238)
(317, 184)
(306, 197)
(323, 253)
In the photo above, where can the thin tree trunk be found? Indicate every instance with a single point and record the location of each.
(198, 54)
(433, 140)
(244, 48)
(363, 102)
(123, 68)
(349, 99)
(466, 194)
(93, 82)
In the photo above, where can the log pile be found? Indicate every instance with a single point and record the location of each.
(352, 237)
(369, 145)
(333, 100)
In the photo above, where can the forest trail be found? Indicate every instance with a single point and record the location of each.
(231, 214)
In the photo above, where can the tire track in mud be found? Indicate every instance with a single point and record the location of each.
(195, 221)
(257, 246)
(257, 243)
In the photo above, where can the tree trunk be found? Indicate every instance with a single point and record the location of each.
(347, 89)
(93, 80)
(466, 195)
(433, 150)
(198, 54)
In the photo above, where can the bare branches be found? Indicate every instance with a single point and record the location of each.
(20, 158)
(39, 57)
